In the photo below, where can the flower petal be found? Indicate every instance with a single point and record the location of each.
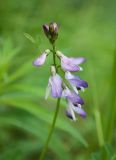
(68, 75)
(76, 81)
(78, 60)
(72, 96)
(80, 111)
(48, 90)
(46, 29)
(69, 112)
(56, 85)
(76, 99)
(41, 59)
(68, 65)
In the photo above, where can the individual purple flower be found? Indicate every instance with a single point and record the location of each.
(54, 85)
(41, 59)
(72, 96)
(70, 112)
(70, 64)
(75, 81)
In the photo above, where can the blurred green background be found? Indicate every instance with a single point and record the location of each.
(87, 28)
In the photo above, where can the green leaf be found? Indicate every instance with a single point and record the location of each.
(35, 108)
(29, 37)
(32, 125)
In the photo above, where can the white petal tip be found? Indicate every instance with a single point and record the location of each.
(48, 90)
(81, 69)
(79, 105)
(82, 89)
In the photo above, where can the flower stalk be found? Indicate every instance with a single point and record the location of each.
(54, 55)
(67, 87)
(43, 153)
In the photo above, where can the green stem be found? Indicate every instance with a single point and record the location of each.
(112, 105)
(54, 55)
(97, 116)
(42, 156)
(99, 127)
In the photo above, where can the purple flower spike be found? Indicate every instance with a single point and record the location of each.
(41, 59)
(67, 87)
(75, 81)
(70, 64)
(72, 96)
(54, 85)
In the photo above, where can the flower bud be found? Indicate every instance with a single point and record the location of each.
(46, 30)
(53, 28)
(51, 31)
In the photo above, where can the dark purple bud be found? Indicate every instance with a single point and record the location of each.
(46, 30)
(53, 28)
(51, 31)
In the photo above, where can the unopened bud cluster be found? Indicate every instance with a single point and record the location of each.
(56, 85)
(51, 31)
